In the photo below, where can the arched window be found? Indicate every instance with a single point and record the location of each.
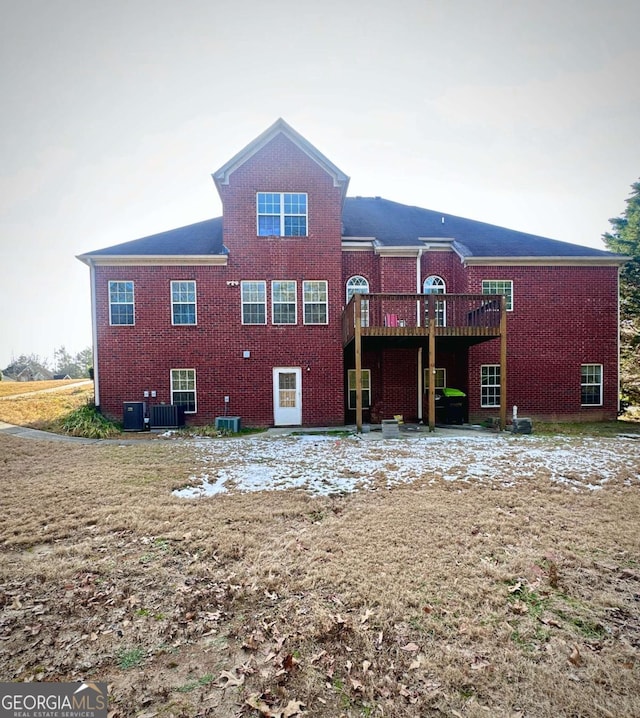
(436, 285)
(359, 285)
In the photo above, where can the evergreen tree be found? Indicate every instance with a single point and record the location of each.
(625, 239)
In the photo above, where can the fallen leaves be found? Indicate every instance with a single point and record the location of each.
(410, 647)
(575, 658)
(231, 679)
(293, 707)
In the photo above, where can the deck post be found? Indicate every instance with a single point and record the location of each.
(503, 363)
(432, 363)
(358, 352)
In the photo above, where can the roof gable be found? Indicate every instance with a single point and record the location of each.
(280, 127)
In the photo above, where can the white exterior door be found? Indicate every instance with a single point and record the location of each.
(287, 396)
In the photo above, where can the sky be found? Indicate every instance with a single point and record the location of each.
(114, 115)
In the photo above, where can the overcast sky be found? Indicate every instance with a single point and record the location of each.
(114, 115)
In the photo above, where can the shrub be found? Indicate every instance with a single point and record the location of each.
(87, 421)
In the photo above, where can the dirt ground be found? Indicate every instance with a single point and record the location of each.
(443, 579)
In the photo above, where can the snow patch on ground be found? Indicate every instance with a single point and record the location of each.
(325, 464)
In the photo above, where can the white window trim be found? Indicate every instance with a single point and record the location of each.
(243, 303)
(503, 281)
(305, 303)
(195, 388)
(600, 384)
(441, 286)
(132, 302)
(295, 303)
(440, 304)
(283, 214)
(351, 289)
(350, 373)
(174, 303)
(482, 404)
(364, 305)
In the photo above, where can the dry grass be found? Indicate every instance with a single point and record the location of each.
(441, 599)
(11, 388)
(43, 411)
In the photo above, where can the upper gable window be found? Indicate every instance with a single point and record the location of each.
(282, 214)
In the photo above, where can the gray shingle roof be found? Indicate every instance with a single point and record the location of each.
(394, 224)
(198, 239)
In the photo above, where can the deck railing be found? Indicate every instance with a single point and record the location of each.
(410, 314)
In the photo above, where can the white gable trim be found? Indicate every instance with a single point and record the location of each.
(545, 261)
(221, 176)
(115, 260)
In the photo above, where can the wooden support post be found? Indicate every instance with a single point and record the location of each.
(358, 352)
(432, 364)
(503, 363)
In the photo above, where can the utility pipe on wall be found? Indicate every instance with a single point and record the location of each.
(94, 333)
(418, 323)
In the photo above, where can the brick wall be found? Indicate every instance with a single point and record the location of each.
(133, 359)
(563, 317)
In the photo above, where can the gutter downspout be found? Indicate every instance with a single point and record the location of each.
(418, 323)
(619, 341)
(94, 333)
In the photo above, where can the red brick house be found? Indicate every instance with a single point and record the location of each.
(302, 306)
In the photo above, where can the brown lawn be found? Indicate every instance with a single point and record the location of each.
(433, 598)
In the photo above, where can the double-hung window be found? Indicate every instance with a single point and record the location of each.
(315, 300)
(183, 389)
(366, 388)
(500, 286)
(183, 302)
(283, 300)
(121, 305)
(254, 302)
(490, 385)
(591, 385)
(282, 214)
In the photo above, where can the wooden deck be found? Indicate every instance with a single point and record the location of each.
(426, 318)
(410, 315)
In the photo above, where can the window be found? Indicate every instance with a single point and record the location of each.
(366, 388)
(183, 302)
(436, 285)
(254, 302)
(440, 379)
(314, 297)
(499, 286)
(286, 389)
(490, 385)
(183, 389)
(359, 285)
(591, 385)
(283, 298)
(282, 214)
(121, 303)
